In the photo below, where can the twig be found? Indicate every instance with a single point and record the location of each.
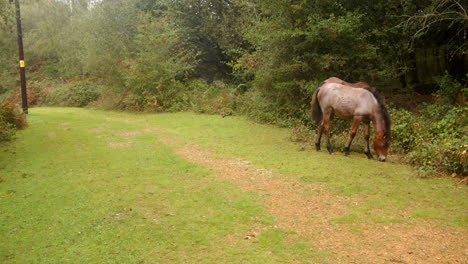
(465, 180)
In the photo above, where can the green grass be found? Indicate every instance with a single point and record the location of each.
(80, 187)
(384, 188)
(84, 186)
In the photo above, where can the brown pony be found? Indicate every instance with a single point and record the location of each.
(359, 102)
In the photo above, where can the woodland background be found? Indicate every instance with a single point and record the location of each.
(262, 59)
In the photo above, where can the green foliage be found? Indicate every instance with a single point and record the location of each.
(435, 139)
(161, 62)
(38, 91)
(213, 29)
(405, 129)
(43, 22)
(8, 49)
(75, 94)
(217, 98)
(259, 108)
(451, 90)
(108, 31)
(7, 131)
(443, 20)
(298, 46)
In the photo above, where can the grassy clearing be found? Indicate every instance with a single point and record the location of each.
(386, 191)
(85, 186)
(81, 187)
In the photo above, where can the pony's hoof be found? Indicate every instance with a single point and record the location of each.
(346, 151)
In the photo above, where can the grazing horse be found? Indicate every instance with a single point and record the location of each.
(358, 102)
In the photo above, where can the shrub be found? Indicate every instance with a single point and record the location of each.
(257, 107)
(302, 134)
(447, 156)
(11, 119)
(74, 94)
(434, 139)
(155, 74)
(168, 96)
(452, 91)
(38, 91)
(217, 98)
(405, 130)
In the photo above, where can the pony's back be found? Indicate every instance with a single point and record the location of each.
(359, 84)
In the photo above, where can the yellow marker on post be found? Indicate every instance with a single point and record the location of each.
(21, 63)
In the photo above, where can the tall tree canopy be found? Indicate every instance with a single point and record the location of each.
(279, 49)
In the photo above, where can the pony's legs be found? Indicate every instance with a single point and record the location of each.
(318, 139)
(354, 128)
(366, 138)
(326, 126)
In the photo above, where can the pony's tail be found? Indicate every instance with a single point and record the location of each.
(316, 111)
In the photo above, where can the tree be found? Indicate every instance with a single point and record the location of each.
(441, 25)
(160, 61)
(8, 49)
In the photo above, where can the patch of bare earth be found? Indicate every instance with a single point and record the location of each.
(129, 138)
(120, 144)
(309, 211)
(123, 120)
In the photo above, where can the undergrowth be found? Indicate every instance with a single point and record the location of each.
(12, 118)
(435, 139)
(74, 94)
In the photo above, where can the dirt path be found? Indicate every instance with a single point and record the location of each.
(307, 210)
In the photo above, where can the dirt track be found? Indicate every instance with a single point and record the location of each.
(307, 210)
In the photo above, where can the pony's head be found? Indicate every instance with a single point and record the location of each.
(381, 145)
(383, 132)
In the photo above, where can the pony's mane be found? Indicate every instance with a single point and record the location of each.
(385, 115)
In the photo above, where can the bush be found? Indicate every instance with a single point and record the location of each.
(74, 94)
(38, 91)
(447, 156)
(217, 98)
(405, 130)
(165, 96)
(11, 119)
(452, 91)
(434, 139)
(155, 74)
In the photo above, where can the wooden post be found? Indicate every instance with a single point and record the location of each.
(24, 96)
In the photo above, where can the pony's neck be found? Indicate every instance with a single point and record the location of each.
(379, 124)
